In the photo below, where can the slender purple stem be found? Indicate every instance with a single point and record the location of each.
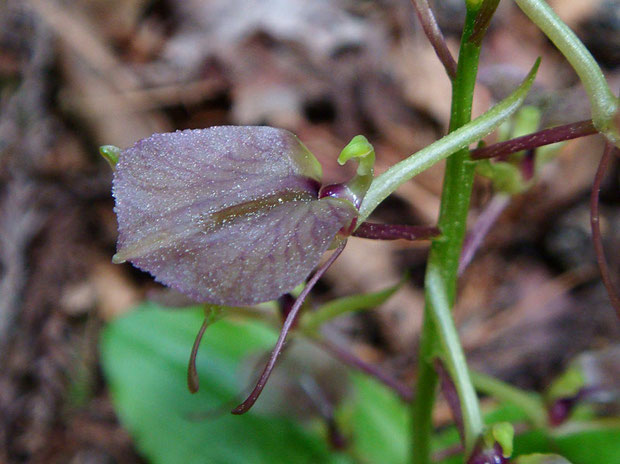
(435, 36)
(354, 361)
(325, 408)
(192, 374)
(481, 228)
(451, 395)
(537, 139)
(614, 297)
(377, 231)
(286, 327)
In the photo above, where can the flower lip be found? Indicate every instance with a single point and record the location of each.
(227, 215)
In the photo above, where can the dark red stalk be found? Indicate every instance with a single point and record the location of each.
(286, 327)
(352, 360)
(376, 231)
(435, 36)
(192, 374)
(597, 240)
(537, 139)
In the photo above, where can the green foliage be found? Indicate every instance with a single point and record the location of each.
(506, 177)
(144, 357)
(378, 422)
(541, 459)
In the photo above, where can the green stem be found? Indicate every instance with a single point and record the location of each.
(442, 269)
(530, 403)
(602, 100)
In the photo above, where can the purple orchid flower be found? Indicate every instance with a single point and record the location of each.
(235, 216)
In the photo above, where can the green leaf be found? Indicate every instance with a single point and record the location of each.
(594, 442)
(378, 421)
(144, 356)
(506, 177)
(453, 357)
(541, 459)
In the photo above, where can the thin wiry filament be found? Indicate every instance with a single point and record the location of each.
(614, 297)
(286, 327)
(192, 374)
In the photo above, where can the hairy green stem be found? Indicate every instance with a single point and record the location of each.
(442, 269)
(602, 100)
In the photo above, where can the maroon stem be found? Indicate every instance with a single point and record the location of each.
(481, 228)
(352, 360)
(192, 374)
(537, 139)
(286, 327)
(435, 36)
(376, 231)
(614, 297)
(451, 395)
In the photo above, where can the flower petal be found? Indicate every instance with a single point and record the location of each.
(227, 215)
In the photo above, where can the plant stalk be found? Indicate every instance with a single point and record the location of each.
(444, 260)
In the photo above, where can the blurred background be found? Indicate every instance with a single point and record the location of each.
(78, 74)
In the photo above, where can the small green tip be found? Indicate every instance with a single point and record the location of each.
(360, 150)
(504, 433)
(110, 153)
(358, 147)
(473, 4)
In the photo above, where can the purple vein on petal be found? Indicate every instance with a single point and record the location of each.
(192, 373)
(286, 327)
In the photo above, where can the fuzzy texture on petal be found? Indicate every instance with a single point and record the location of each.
(227, 215)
